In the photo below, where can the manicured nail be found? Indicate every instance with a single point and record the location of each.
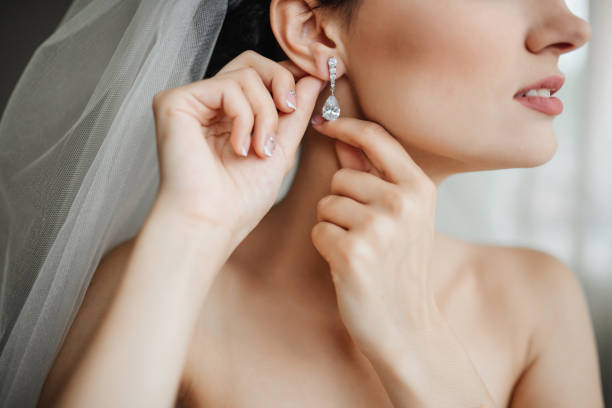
(316, 119)
(269, 145)
(246, 145)
(291, 100)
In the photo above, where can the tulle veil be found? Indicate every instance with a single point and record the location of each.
(78, 162)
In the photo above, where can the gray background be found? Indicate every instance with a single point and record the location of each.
(23, 26)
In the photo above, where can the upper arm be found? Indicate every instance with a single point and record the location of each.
(97, 299)
(563, 367)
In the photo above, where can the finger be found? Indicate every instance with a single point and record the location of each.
(324, 236)
(361, 186)
(342, 211)
(294, 69)
(291, 128)
(384, 151)
(277, 78)
(266, 116)
(354, 158)
(225, 95)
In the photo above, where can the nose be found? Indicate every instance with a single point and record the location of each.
(558, 30)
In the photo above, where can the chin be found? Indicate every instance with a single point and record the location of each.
(532, 156)
(537, 154)
(519, 155)
(526, 147)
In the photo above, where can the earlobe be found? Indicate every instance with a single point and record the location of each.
(305, 37)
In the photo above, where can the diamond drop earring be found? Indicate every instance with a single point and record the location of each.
(331, 109)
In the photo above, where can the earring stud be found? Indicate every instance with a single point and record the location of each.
(331, 108)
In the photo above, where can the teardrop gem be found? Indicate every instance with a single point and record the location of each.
(331, 109)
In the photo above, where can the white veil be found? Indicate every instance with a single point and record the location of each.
(78, 162)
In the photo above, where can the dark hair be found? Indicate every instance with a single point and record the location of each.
(247, 27)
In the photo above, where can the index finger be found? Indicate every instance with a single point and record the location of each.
(384, 151)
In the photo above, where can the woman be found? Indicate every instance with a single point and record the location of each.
(343, 294)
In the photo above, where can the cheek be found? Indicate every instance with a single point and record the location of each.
(440, 74)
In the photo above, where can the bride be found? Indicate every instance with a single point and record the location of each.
(343, 294)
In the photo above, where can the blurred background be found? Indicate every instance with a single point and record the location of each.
(563, 207)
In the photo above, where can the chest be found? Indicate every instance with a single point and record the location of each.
(245, 355)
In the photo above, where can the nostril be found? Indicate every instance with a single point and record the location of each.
(565, 46)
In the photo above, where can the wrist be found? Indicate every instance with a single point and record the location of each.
(191, 224)
(208, 239)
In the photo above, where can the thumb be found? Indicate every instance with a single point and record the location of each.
(292, 126)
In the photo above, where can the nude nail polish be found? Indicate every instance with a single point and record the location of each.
(270, 145)
(291, 100)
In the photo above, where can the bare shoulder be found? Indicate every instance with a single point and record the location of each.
(535, 274)
(98, 296)
(546, 282)
(561, 367)
(536, 282)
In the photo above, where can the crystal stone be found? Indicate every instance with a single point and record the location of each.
(331, 109)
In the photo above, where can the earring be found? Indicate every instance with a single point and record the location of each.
(331, 109)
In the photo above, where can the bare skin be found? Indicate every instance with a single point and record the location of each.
(269, 330)
(274, 307)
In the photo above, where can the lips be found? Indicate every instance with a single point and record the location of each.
(554, 83)
(548, 105)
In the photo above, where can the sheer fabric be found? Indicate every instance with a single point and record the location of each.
(78, 162)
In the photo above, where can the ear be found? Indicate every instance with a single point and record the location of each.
(309, 37)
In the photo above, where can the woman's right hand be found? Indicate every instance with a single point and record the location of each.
(202, 127)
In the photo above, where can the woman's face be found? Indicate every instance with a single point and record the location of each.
(441, 75)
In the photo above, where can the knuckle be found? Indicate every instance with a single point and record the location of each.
(319, 231)
(395, 201)
(248, 54)
(371, 129)
(159, 98)
(230, 85)
(323, 203)
(338, 178)
(370, 219)
(283, 74)
(163, 104)
(250, 74)
(315, 233)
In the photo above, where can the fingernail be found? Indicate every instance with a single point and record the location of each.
(323, 86)
(291, 100)
(317, 119)
(246, 145)
(269, 145)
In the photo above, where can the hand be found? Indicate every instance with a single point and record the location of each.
(376, 231)
(202, 128)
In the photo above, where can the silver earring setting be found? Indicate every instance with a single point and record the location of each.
(331, 108)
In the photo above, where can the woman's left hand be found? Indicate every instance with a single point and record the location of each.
(376, 231)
